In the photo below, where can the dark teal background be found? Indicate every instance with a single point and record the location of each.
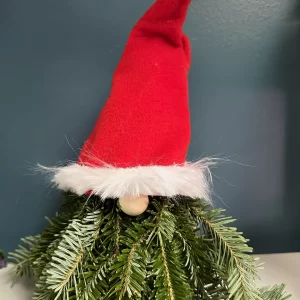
(56, 62)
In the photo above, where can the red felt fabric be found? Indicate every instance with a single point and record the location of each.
(146, 119)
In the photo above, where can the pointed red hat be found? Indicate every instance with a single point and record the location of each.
(140, 141)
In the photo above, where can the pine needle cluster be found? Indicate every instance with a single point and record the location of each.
(179, 249)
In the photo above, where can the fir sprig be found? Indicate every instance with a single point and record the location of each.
(61, 273)
(231, 252)
(130, 267)
(110, 232)
(276, 292)
(93, 282)
(42, 252)
(22, 257)
(179, 249)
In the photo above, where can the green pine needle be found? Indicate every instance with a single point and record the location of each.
(22, 257)
(93, 283)
(130, 265)
(231, 254)
(276, 292)
(61, 272)
(179, 249)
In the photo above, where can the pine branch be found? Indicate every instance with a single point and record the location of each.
(215, 291)
(93, 283)
(276, 292)
(117, 234)
(171, 282)
(61, 271)
(96, 252)
(199, 266)
(230, 252)
(200, 270)
(41, 254)
(168, 289)
(22, 257)
(94, 276)
(130, 267)
(163, 222)
(72, 203)
(41, 291)
(193, 248)
(110, 233)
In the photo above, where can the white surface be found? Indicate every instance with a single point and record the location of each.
(279, 268)
(282, 268)
(21, 290)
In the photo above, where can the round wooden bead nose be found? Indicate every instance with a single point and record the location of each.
(134, 206)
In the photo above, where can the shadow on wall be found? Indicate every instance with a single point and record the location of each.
(289, 77)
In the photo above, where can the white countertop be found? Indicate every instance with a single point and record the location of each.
(282, 268)
(279, 268)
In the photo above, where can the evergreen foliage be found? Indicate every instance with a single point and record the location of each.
(179, 249)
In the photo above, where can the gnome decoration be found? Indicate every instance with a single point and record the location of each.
(136, 222)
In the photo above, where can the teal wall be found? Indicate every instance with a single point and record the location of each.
(56, 62)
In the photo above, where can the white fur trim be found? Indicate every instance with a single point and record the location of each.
(190, 179)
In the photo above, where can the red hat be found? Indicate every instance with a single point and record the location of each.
(140, 141)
